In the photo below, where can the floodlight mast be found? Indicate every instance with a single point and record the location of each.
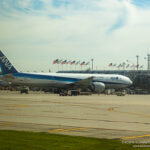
(92, 63)
(137, 56)
(148, 61)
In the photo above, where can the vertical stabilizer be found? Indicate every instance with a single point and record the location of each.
(5, 65)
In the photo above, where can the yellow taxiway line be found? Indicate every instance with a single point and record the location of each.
(65, 130)
(134, 137)
(131, 137)
(130, 113)
(6, 123)
(17, 105)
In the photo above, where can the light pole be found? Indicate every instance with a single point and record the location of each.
(137, 56)
(92, 63)
(148, 61)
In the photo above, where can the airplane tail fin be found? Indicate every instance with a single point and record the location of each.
(5, 65)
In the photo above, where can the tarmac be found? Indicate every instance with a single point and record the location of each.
(101, 116)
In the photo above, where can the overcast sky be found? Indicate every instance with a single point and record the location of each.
(35, 32)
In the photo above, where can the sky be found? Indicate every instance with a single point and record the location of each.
(35, 32)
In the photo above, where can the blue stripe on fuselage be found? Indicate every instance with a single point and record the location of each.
(46, 77)
(57, 78)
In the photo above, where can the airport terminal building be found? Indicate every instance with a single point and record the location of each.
(129, 73)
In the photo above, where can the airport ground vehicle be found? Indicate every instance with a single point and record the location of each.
(70, 93)
(24, 90)
(121, 93)
(73, 92)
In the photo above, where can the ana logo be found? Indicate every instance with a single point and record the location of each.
(6, 62)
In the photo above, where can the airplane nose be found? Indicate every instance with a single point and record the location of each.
(130, 82)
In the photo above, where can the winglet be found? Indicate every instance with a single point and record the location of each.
(5, 65)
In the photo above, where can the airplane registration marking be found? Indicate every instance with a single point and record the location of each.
(65, 130)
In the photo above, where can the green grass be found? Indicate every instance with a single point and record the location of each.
(17, 140)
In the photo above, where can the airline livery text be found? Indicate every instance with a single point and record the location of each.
(6, 62)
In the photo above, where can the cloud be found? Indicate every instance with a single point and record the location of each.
(141, 3)
(101, 29)
(120, 23)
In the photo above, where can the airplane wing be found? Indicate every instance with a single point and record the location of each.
(82, 83)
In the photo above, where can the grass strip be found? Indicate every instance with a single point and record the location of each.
(20, 140)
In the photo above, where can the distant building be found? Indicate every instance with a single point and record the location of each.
(142, 82)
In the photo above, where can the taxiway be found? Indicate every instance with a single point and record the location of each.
(100, 116)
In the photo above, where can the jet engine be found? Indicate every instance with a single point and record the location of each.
(97, 87)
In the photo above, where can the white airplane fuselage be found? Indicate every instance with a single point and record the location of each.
(61, 79)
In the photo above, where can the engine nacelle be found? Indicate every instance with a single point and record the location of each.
(97, 87)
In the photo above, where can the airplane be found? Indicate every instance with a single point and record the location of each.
(95, 82)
